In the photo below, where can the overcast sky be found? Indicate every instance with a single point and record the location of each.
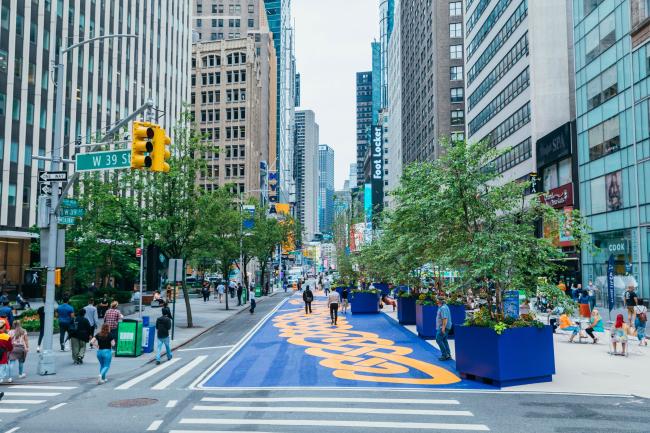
(333, 43)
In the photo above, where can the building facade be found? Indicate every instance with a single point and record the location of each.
(364, 120)
(432, 80)
(394, 99)
(612, 89)
(325, 188)
(306, 172)
(104, 81)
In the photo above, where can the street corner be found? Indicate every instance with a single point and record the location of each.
(294, 349)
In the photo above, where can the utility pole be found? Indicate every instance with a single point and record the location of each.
(141, 272)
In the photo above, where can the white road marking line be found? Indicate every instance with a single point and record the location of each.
(180, 372)
(56, 406)
(205, 348)
(42, 387)
(148, 374)
(9, 401)
(31, 394)
(217, 431)
(360, 410)
(171, 403)
(11, 410)
(337, 423)
(155, 425)
(219, 363)
(328, 400)
(12, 430)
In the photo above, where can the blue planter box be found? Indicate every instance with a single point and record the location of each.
(425, 320)
(382, 287)
(406, 311)
(364, 303)
(516, 357)
(340, 290)
(457, 315)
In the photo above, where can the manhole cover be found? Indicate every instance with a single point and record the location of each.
(133, 402)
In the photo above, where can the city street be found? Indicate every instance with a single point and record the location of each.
(268, 372)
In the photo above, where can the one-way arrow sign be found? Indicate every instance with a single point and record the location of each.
(47, 189)
(46, 176)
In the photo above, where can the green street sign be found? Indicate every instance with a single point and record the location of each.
(72, 212)
(67, 220)
(103, 160)
(69, 203)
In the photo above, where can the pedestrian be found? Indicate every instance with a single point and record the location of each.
(333, 301)
(443, 326)
(240, 292)
(563, 287)
(308, 298)
(591, 292)
(299, 285)
(251, 296)
(112, 318)
(92, 316)
(583, 305)
(22, 302)
(232, 288)
(640, 321)
(326, 285)
(630, 299)
(205, 291)
(221, 289)
(5, 349)
(163, 326)
(65, 313)
(104, 342)
(20, 343)
(7, 313)
(80, 333)
(102, 308)
(344, 299)
(618, 334)
(41, 326)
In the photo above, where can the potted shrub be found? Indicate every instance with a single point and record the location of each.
(364, 301)
(425, 316)
(406, 307)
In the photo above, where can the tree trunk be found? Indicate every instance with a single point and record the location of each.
(188, 308)
(245, 273)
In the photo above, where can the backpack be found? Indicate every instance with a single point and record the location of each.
(309, 297)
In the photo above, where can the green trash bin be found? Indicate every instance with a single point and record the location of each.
(129, 338)
(258, 291)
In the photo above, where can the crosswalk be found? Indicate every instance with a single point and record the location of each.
(287, 413)
(22, 398)
(176, 373)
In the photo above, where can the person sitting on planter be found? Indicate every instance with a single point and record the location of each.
(567, 324)
(618, 334)
(389, 301)
(443, 326)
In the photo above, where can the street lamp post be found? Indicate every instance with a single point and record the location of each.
(46, 363)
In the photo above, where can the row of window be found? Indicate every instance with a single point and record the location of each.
(210, 115)
(235, 170)
(476, 15)
(602, 88)
(509, 126)
(457, 117)
(604, 138)
(236, 151)
(210, 134)
(235, 132)
(509, 60)
(233, 9)
(487, 26)
(456, 52)
(557, 174)
(510, 92)
(600, 38)
(515, 156)
(456, 73)
(455, 9)
(236, 113)
(456, 30)
(495, 45)
(457, 95)
(591, 5)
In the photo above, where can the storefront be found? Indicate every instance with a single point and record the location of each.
(15, 259)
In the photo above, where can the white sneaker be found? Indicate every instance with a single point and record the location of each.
(10, 380)
(99, 380)
(22, 376)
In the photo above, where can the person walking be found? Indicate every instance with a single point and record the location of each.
(308, 298)
(630, 299)
(41, 326)
(251, 297)
(326, 285)
(221, 289)
(443, 326)
(333, 301)
(102, 308)
(6, 312)
(104, 342)
(5, 349)
(20, 300)
(344, 299)
(591, 292)
(240, 292)
(65, 313)
(640, 321)
(112, 318)
(163, 326)
(205, 291)
(80, 333)
(91, 315)
(20, 343)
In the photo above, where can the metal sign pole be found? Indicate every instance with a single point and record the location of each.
(141, 268)
(174, 301)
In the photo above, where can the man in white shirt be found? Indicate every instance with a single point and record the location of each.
(251, 296)
(91, 315)
(333, 301)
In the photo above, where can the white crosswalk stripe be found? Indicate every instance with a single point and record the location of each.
(16, 401)
(179, 373)
(144, 376)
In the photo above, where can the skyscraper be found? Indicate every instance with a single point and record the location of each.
(326, 188)
(364, 120)
(394, 144)
(612, 74)
(105, 81)
(306, 172)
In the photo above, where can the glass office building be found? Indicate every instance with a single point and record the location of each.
(612, 63)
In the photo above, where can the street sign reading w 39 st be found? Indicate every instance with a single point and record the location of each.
(103, 160)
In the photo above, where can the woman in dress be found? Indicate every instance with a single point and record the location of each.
(20, 342)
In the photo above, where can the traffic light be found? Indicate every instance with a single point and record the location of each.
(57, 277)
(142, 145)
(161, 153)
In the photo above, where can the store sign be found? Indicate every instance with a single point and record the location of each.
(554, 146)
(559, 197)
(377, 161)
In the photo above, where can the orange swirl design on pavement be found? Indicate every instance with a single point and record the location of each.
(356, 355)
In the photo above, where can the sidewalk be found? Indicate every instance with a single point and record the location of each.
(587, 368)
(205, 316)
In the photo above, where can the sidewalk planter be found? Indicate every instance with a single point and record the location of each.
(364, 303)
(406, 311)
(457, 315)
(425, 320)
(382, 287)
(340, 291)
(516, 357)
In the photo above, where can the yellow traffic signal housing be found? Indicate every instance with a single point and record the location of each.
(142, 145)
(161, 152)
(57, 277)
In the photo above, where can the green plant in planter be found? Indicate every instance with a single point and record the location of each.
(405, 294)
(374, 291)
(426, 299)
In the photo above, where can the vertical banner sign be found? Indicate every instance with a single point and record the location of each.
(511, 304)
(377, 161)
(610, 283)
(249, 217)
(367, 201)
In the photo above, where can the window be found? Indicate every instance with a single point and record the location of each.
(509, 126)
(613, 192)
(12, 194)
(597, 187)
(557, 174)
(251, 22)
(604, 138)
(457, 117)
(600, 38)
(20, 25)
(3, 104)
(13, 155)
(456, 73)
(5, 17)
(30, 113)
(16, 109)
(518, 154)
(487, 26)
(456, 52)
(602, 88)
(590, 6)
(455, 9)
(457, 94)
(455, 30)
(250, 9)
(199, 22)
(457, 136)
